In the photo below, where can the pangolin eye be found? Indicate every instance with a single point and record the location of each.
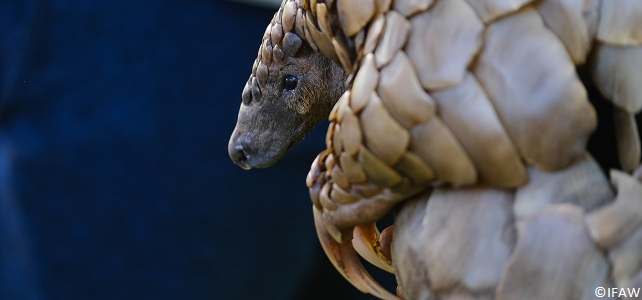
(290, 82)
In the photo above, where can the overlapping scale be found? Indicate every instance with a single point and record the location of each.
(534, 88)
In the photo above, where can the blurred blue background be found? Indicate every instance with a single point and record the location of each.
(115, 181)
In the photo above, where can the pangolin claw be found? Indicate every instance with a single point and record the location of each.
(366, 243)
(346, 260)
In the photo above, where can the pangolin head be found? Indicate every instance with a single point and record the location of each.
(291, 89)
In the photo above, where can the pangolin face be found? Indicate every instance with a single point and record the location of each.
(281, 103)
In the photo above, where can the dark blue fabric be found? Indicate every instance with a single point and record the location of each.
(114, 177)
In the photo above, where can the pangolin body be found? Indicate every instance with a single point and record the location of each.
(469, 117)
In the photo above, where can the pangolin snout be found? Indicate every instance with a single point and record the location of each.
(247, 150)
(250, 153)
(259, 141)
(237, 154)
(237, 149)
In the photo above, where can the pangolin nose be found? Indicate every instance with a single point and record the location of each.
(237, 154)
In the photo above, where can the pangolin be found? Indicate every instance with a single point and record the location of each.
(469, 119)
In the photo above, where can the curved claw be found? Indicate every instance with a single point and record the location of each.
(366, 243)
(345, 259)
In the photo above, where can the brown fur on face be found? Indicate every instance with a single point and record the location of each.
(272, 118)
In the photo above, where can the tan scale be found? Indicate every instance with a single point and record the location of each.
(374, 34)
(401, 82)
(470, 115)
(433, 142)
(376, 122)
(571, 22)
(364, 84)
(445, 67)
(536, 106)
(394, 38)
